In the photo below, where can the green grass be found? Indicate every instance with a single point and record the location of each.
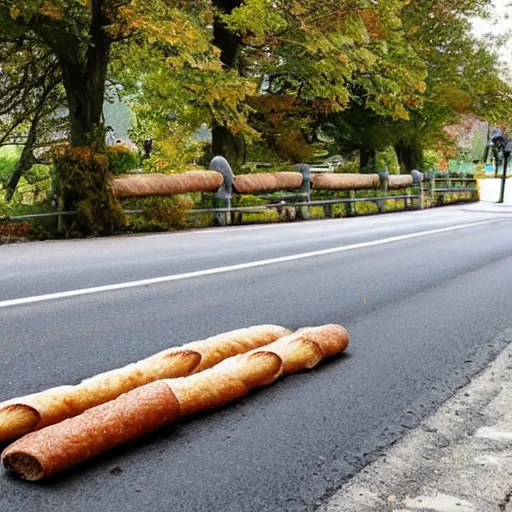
(270, 216)
(317, 212)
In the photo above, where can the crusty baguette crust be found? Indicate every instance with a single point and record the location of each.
(332, 339)
(305, 348)
(55, 448)
(297, 353)
(226, 382)
(216, 349)
(25, 414)
(65, 444)
(266, 182)
(345, 181)
(166, 184)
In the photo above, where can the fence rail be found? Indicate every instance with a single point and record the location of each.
(454, 190)
(419, 188)
(35, 216)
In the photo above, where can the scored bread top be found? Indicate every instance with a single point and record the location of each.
(24, 414)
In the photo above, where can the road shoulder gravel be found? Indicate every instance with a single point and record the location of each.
(458, 460)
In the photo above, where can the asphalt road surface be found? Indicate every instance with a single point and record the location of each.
(422, 310)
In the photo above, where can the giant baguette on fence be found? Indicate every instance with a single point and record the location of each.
(134, 414)
(25, 414)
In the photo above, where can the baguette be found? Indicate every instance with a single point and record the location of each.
(131, 415)
(214, 350)
(50, 450)
(226, 382)
(33, 412)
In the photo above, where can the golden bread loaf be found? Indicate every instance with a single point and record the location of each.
(400, 181)
(101, 428)
(143, 185)
(21, 415)
(267, 182)
(345, 181)
(225, 382)
(57, 447)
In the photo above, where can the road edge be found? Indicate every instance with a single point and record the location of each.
(459, 459)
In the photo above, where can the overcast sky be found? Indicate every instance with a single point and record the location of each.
(501, 22)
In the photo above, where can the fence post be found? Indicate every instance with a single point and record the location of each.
(351, 206)
(59, 203)
(429, 176)
(384, 183)
(417, 178)
(304, 212)
(225, 192)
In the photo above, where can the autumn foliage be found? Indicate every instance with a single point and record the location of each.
(279, 76)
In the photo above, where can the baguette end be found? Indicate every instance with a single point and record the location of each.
(23, 464)
(17, 420)
(332, 339)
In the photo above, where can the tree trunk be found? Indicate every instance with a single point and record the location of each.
(225, 143)
(83, 172)
(230, 146)
(24, 164)
(85, 91)
(410, 155)
(27, 159)
(225, 40)
(367, 160)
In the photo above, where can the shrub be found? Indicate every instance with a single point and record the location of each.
(160, 213)
(122, 158)
(351, 167)
(14, 231)
(339, 210)
(366, 208)
(4, 205)
(9, 156)
(388, 159)
(317, 212)
(268, 216)
(201, 221)
(83, 178)
(252, 168)
(248, 200)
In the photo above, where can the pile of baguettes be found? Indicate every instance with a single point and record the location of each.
(66, 425)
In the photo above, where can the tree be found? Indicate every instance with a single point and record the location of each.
(30, 100)
(304, 54)
(226, 142)
(358, 129)
(173, 95)
(323, 55)
(463, 75)
(78, 37)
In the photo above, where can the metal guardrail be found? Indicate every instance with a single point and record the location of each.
(32, 216)
(283, 203)
(455, 190)
(240, 209)
(453, 178)
(14, 218)
(354, 200)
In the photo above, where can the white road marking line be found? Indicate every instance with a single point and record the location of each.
(233, 268)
